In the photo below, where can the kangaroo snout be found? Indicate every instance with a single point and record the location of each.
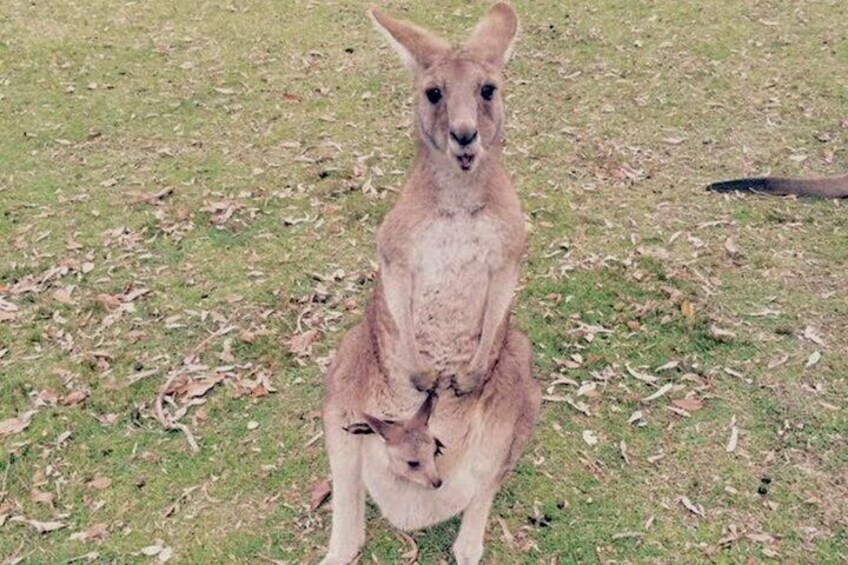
(464, 136)
(437, 483)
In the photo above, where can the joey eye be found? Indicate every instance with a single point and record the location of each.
(413, 464)
(433, 95)
(488, 91)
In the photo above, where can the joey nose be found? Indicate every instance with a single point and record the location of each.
(437, 483)
(464, 136)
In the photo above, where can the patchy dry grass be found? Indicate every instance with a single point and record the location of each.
(186, 187)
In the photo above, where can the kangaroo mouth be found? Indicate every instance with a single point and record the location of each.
(466, 161)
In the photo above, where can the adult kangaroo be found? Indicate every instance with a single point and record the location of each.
(824, 187)
(449, 254)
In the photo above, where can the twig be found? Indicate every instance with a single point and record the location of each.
(3, 491)
(168, 423)
(175, 506)
(300, 317)
(314, 438)
(411, 556)
(199, 347)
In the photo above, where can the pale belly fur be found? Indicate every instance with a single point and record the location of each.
(409, 506)
(451, 262)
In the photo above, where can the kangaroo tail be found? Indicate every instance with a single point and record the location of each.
(828, 187)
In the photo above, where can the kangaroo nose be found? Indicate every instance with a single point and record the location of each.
(464, 137)
(437, 483)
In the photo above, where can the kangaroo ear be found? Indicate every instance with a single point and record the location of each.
(494, 36)
(417, 47)
(358, 428)
(385, 428)
(422, 417)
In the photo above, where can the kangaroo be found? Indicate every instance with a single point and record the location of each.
(450, 250)
(449, 255)
(825, 187)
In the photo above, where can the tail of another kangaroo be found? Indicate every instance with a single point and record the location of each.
(826, 187)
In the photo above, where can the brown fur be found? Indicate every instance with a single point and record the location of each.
(450, 252)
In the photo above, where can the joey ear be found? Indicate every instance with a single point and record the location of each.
(358, 428)
(422, 417)
(417, 47)
(494, 36)
(384, 428)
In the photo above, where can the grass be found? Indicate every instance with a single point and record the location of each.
(283, 130)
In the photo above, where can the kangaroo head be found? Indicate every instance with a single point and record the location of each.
(411, 447)
(459, 107)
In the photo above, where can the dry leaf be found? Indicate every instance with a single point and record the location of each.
(731, 248)
(814, 358)
(46, 398)
(720, 334)
(133, 295)
(668, 366)
(760, 538)
(590, 437)
(63, 295)
(320, 492)
(6, 306)
(16, 425)
(152, 550)
(734, 439)
(697, 510)
(645, 378)
(507, 537)
(109, 301)
(301, 344)
(100, 482)
(40, 527)
(95, 532)
(194, 389)
(810, 333)
(258, 391)
(688, 404)
(8, 316)
(74, 398)
(661, 392)
(41, 497)
(587, 389)
(107, 419)
(777, 362)
(165, 554)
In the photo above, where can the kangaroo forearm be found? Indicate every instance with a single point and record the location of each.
(397, 292)
(501, 290)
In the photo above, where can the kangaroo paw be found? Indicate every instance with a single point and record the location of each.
(467, 380)
(424, 380)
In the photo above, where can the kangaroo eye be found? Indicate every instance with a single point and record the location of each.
(488, 91)
(433, 95)
(413, 464)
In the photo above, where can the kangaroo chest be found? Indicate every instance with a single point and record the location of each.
(452, 258)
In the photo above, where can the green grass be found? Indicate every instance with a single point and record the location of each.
(268, 119)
